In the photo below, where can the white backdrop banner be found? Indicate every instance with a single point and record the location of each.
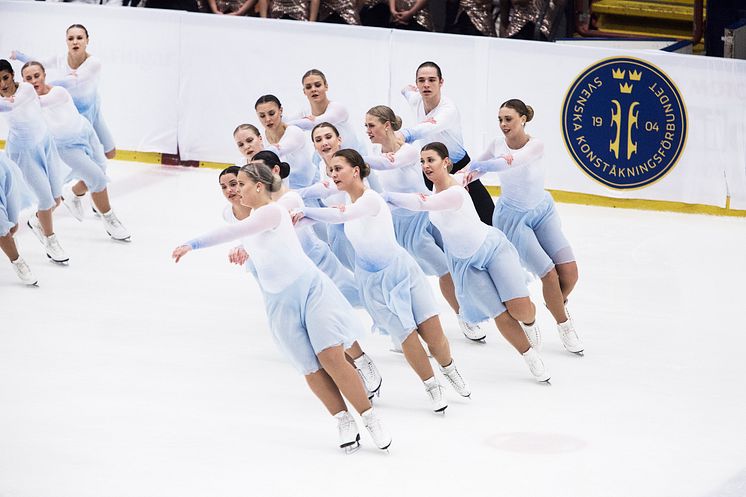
(615, 122)
(229, 62)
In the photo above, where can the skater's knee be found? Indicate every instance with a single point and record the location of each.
(568, 273)
(332, 357)
(521, 309)
(111, 153)
(13, 230)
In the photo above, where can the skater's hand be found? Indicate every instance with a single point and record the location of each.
(391, 156)
(423, 197)
(296, 216)
(13, 55)
(430, 120)
(310, 117)
(180, 252)
(469, 177)
(412, 88)
(508, 158)
(340, 207)
(238, 255)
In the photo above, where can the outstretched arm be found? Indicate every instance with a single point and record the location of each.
(364, 206)
(443, 119)
(448, 199)
(405, 156)
(321, 190)
(335, 113)
(259, 221)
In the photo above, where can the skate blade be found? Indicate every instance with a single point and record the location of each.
(477, 340)
(61, 263)
(124, 240)
(442, 410)
(351, 449)
(373, 395)
(580, 353)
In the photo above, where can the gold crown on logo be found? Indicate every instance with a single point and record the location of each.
(625, 88)
(635, 75)
(617, 73)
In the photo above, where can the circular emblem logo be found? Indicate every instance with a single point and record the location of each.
(624, 123)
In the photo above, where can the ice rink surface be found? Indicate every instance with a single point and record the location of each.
(126, 375)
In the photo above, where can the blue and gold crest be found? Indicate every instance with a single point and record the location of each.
(624, 123)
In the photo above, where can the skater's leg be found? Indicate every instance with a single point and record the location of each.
(324, 388)
(568, 277)
(512, 331)
(522, 309)
(345, 377)
(432, 332)
(416, 356)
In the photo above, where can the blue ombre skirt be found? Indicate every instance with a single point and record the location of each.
(417, 235)
(41, 166)
(491, 276)
(536, 234)
(321, 255)
(14, 194)
(308, 317)
(397, 297)
(340, 245)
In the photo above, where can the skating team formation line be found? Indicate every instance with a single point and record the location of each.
(328, 223)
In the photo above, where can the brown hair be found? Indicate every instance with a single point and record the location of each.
(314, 72)
(259, 172)
(384, 114)
(439, 149)
(250, 127)
(521, 108)
(429, 63)
(79, 26)
(33, 63)
(354, 159)
(324, 125)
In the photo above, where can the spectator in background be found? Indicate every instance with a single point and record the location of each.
(470, 17)
(401, 14)
(239, 7)
(335, 11)
(530, 19)
(292, 9)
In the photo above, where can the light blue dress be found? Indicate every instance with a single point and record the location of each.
(413, 229)
(307, 314)
(76, 140)
(485, 266)
(82, 83)
(31, 146)
(525, 212)
(14, 196)
(394, 289)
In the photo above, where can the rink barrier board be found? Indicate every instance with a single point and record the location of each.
(558, 195)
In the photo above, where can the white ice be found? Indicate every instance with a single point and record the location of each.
(126, 375)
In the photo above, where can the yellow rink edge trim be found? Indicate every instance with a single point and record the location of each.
(631, 203)
(558, 195)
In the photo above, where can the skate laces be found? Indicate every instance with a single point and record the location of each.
(113, 220)
(22, 267)
(453, 376)
(345, 423)
(53, 243)
(567, 330)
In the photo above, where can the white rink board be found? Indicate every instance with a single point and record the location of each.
(195, 75)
